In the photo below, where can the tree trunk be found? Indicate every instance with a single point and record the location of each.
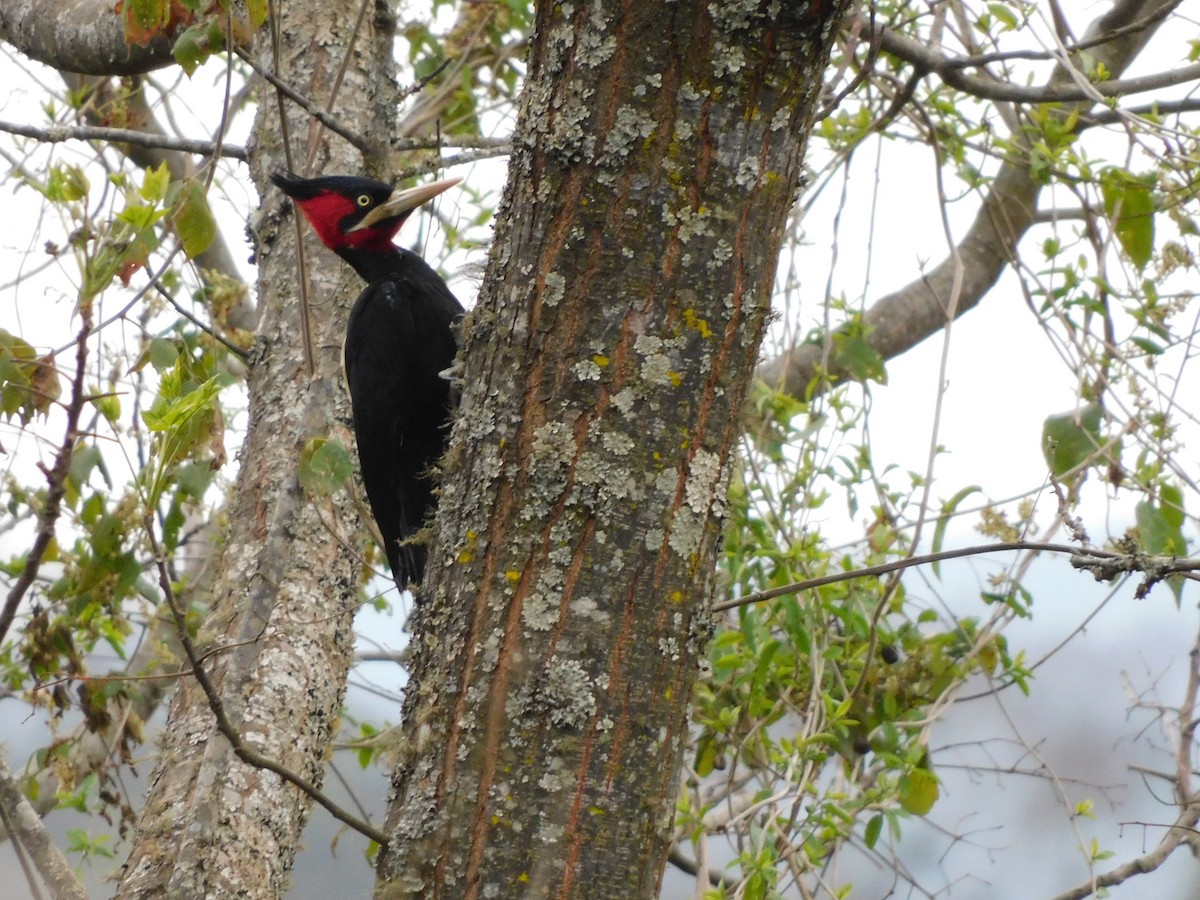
(278, 630)
(657, 155)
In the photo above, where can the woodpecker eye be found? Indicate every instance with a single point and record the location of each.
(364, 199)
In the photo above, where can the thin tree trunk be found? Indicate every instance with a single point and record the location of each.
(657, 155)
(279, 622)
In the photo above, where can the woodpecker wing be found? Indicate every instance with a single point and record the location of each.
(399, 340)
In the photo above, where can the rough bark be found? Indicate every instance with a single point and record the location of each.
(279, 623)
(84, 36)
(901, 320)
(657, 154)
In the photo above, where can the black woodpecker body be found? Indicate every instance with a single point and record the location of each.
(399, 342)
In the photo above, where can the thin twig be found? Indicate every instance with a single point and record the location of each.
(207, 329)
(307, 105)
(314, 138)
(57, 478)
(153, 279)
(979, 60)
(470, 156)
(1103, 564)
(928, 60)
(281, 91)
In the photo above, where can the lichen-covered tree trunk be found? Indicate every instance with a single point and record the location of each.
(657, 155)
(278, 630)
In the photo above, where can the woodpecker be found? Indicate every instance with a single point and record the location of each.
(400, 341)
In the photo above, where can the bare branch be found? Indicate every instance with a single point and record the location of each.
(56, 134)
(928, 60)
(307, 105)
(1177, 833)
(1103, 564)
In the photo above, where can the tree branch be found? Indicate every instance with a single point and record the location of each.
(1176, 834)
(56, 134)
(1103, 564)
(57, 478)
(246, 754)
(313, 109)
(899, 321)
(84, 36)
(950, 70)
(28, 830)
(978, 60)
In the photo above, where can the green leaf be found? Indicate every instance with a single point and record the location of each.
(1148, 346)
(1004, 14)
(155, 183)
(79, 798)
(193, 220)
(84, 458)
(258, 10)
(108, 534)
(184, 417)
(139, 216)
(67, 184)
(1171, 498)
(918, 791)
(144, 19)
(1071, 439)
(163, 353)
(860, 359)
(196, 44)
(28, 385)
(1130, 205)
(874, 828)
(1158, 531)
(109, 406)
(324, 466)
(191, 48)
(948, 509)
(706, 755)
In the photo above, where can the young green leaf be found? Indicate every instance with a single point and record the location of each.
(193, 220)
(1069, 440)
(1130, 205)
(948, 509)
(918, 791)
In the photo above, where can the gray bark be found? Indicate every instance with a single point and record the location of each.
(279, 623)
(657, 154)
(26, 828)
(83, 36)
